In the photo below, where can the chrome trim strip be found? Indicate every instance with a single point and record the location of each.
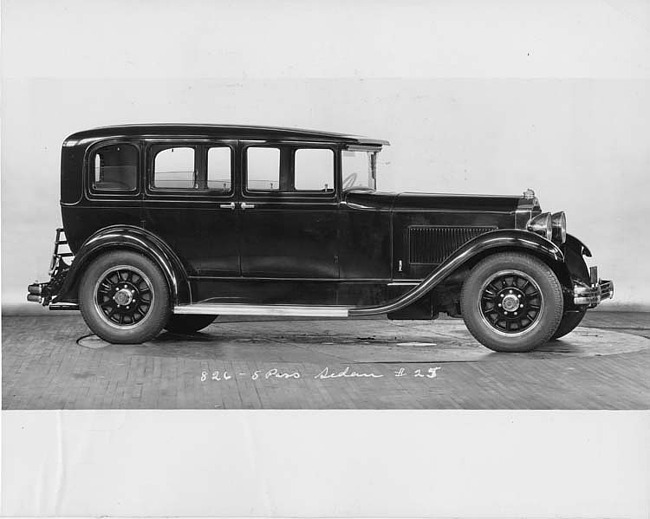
(64, 306)
(268, 310)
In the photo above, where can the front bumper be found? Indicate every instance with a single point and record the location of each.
(594, 293)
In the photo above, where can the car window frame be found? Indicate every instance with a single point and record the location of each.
(201, 147)
(89, 171)
(288, 149)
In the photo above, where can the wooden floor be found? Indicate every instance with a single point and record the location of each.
(52, 362)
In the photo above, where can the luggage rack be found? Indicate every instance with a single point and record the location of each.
(57, 255)
(43, 293)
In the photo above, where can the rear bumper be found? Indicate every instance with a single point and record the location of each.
(42, 293)
(45, 293)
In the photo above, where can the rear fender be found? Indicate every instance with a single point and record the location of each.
(128, 237)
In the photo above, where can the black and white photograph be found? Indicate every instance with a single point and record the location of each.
(283, 258)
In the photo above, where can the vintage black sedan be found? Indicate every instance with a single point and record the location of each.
(169, 226)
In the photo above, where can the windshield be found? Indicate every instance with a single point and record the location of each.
(359, 169)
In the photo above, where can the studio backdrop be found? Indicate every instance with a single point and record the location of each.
(480, 99)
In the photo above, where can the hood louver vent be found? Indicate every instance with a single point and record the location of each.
(431, 245)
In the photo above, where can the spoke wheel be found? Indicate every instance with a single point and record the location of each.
(512, 302)
(124, 297)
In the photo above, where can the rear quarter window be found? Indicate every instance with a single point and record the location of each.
(115, 168)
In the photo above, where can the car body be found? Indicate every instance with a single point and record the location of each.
(172, 225)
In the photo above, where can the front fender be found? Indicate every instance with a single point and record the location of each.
(574, 252)
(131, 238)
(494, 241)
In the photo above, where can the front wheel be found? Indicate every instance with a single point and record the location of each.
(512, 302)
(124, 298)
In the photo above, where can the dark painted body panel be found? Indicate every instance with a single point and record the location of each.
(81, 221)
(499, 240)
(84, 212)
(365, 235)
(218, 131)
(203, 235)
(477, 204)
(292, 239)
(202, 232)
(441, 210)
(342, 249)
(294, 291)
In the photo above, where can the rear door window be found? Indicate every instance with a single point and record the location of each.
(263, 169)
(219, 169)
(174, 168)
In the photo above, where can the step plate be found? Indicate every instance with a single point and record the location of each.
(278, 310)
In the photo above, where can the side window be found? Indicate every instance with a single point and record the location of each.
(263, 169)
(174, 169)
(314, 170)
(219, 172)
(115, 168)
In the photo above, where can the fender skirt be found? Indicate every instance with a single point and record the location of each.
(130, 238)
(513, 240)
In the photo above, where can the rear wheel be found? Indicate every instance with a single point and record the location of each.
(512, 302)
(124, 298)
(188, 323)
(570, 320)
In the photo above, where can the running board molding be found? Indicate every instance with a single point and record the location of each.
(262, 310)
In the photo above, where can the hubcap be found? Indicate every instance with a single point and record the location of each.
(511, 302)
(123, 296)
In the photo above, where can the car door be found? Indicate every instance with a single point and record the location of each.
(288, 210)
(190, 203)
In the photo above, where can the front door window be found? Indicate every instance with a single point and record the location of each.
(314, 170)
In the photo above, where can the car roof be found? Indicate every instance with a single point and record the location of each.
(223, 131)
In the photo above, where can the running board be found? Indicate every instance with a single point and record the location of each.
(280, 310)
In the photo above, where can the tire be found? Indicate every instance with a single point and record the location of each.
(568, 323)
(188, 323)
(124, 298)
(532, 300)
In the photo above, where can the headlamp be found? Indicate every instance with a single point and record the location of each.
(558, 222)
(551, 226)
(541, 224)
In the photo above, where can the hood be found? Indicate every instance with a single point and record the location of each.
(447, 202)
(364, 199)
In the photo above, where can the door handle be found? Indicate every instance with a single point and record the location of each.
(245, 206)
(230, 206)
